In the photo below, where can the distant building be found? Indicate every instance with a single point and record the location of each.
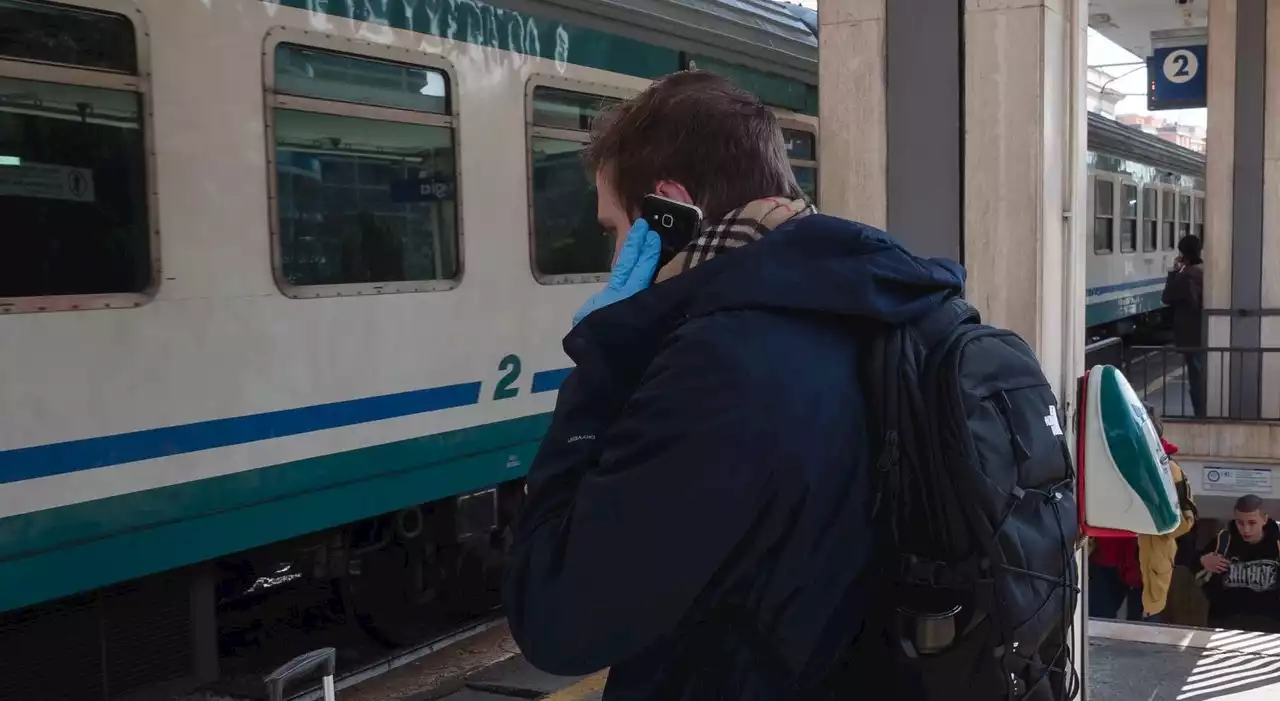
(1101, 97)
(1189, 136)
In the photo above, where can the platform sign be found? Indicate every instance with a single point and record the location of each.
(1237, 480)
(1177, 78)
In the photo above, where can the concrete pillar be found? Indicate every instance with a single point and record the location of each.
(1241, 233)
(1270, 332)
(1220, 153)
(851, 108)
(967, 162)
(1024, 176)
(961, 126)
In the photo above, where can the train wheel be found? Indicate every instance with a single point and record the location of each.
(395, 591)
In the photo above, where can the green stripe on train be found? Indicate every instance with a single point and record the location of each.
(56, 552)
(1096, 313)
(483, 24)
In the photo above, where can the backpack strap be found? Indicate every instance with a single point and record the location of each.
(939, 323)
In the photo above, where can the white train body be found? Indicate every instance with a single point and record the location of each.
(223, 406)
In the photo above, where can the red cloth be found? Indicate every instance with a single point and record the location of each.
(1122, 554)
(1169, 448)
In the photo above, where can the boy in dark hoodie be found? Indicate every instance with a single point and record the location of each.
(1243, 569)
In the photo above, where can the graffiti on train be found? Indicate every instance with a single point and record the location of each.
(470, 21)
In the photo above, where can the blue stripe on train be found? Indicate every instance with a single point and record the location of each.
(89, 453)
(1121, 286)
(86, 454)
(549, 380)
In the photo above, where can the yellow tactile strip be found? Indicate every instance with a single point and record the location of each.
(582, 690)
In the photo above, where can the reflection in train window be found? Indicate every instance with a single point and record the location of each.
(568, 238)
(366, 200)
(564, 109)
(73, 168)
(568, 241)
(1150, 230)
(1128, 218)
(329, 76)
(802, 151)
(38, 31)
(362, 201)
(1199, 218)
(1184, 216)
(1103, 216)
(1166, 218)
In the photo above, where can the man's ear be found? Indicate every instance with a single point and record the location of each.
(673, 190)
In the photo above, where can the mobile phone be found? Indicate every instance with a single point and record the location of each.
(675, 223)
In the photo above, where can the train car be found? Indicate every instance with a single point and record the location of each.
(283, 291)
(282, 296)
(1144, 195)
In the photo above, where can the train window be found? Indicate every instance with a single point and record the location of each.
(1199, 218)
(1184, 216)
(802, 150)
(1166, 218)
(324, 75)
(73, 161)
(565, 109)
(568, 243)
(1150, 227)
(38, 31)
(1128, 218)
(1103, 216)
(365, 175)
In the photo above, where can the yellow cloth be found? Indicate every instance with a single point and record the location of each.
(1156, 554)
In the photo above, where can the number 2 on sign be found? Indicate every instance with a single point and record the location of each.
(510, 365)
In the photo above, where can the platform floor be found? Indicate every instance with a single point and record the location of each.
(1127, 662)
(517, 679)
(1121, 670)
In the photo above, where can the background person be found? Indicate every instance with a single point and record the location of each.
(1184, 294)
(1157, 553)
(1242, 566)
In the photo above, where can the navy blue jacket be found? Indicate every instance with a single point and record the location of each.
(698, 514)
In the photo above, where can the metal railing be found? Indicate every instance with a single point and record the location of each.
(1108, 351)
(1207, 383)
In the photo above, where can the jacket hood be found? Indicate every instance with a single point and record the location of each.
(829, 265)
(1270, 531)
(815, 265)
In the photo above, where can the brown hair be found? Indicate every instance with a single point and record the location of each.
(1248, 504)
(697, 129)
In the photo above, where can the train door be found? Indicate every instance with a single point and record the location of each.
(1198, 216)
(1184, 214)
(1131, 267)
(1168, 224)
(1151, 227)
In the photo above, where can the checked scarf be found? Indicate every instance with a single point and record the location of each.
(738, 228)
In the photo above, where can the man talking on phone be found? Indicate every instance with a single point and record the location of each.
(698, 516)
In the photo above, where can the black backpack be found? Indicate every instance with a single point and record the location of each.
(975, 500)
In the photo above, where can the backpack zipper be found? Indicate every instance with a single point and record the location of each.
(1005, 408)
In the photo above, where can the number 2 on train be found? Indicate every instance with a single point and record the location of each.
(510, 365)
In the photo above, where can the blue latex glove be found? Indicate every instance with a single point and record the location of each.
(632, 272)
